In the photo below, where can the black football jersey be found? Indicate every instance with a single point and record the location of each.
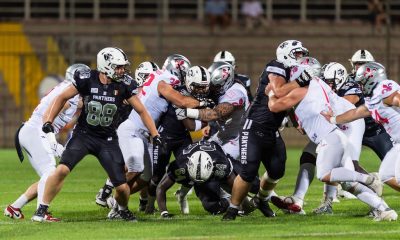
(259, 111)
(372, 128)
(169, 125)
(177, 170)
(102, 103)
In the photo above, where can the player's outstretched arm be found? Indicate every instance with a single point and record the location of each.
(161, 192)
(290, 100)
(175, 97)
(349, 116)
(59, 102)
(138, 106)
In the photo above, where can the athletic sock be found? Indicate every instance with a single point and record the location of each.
(20, 202)
(304, 179)
(342, 174)
(330, 191)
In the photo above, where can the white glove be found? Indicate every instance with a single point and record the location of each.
(57, 150)
(180, 113)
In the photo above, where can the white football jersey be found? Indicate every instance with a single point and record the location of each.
(155, 104)
(237, 96)
(36, 120)
(296, 71)
(318, 99)
(388, 116)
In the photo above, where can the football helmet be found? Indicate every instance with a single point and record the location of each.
(178, 65)
(360, 57)
(198, 81)
(108, 59)
(70, 72)
(222, 77)
(200, 166)
(311, 65)
(335, 74)
(287, 52)
(369, 74)
(143, 71)
(225, 56)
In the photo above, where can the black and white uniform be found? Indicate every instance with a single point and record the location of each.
(245, 80)
(260, 140)
(175, 135)
(95, 132)
(208, 192)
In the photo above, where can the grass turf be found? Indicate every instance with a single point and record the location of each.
(83, 219)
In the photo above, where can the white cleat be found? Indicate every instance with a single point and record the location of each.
(183, 202)
(343, 194)
(376, 186)
(387, 215)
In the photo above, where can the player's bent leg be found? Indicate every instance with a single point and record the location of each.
(239, 191)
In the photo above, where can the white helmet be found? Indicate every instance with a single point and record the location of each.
(335, 74)
(311, 65)
(178, 65)
(143, 71)
(70, 72)
(225, 56)
(369, 75)
(286, 52)
(198, 81)
(108, 59)
(361, 56)
(200, 166)
(222, 77)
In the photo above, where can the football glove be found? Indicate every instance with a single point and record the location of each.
(48, 127)
(207, 103)
(304, 78)
(181, 113)
(58, 151)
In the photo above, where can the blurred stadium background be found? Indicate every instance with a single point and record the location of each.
(40, 38)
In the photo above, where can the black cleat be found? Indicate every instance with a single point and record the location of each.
(127, 215)
(142, 205)
(230, 214)
(263, 206)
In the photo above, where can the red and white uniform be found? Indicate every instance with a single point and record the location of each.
(228, 134)
(133, 134)
(389, 117)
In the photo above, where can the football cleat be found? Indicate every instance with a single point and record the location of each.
(13, 212)
(325, 207)
(344, 194)
(376, 185)
(103, 195)
(387, 215)
(142, 205)
(46, 217)
(288, 205)
(230, 214)
(125, 215)
(373, 213)
(183, 202)
(263, 206)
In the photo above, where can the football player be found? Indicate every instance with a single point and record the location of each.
(334, 159)
(40, 149)
(103, 91)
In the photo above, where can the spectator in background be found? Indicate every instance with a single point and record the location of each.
(253, 12)
(377, 14)
(217, 14)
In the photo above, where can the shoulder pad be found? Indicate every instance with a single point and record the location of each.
(127, 80)
(82, 74)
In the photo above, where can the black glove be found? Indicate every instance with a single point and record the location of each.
(47, 127)
(207, 103)
(158, 140)
(304, 78)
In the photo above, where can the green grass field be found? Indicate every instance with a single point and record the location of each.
(83, 219)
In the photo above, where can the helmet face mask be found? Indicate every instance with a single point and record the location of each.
(143, 71)
(70, 72)
(225, 56)
(177, 65)
(335, 74)
(113, 62)
(369, 76)
(198, 82)
(222, 77)
(288, 52)
(200, 166)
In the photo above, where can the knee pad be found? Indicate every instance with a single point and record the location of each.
(307, 158)
(268, 179)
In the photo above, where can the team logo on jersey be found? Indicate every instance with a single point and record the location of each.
(94, 90)
(386, 88)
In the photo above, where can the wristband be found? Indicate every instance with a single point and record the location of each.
(192, 113)
(333, 120)
(198, 125)
(163, 212)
